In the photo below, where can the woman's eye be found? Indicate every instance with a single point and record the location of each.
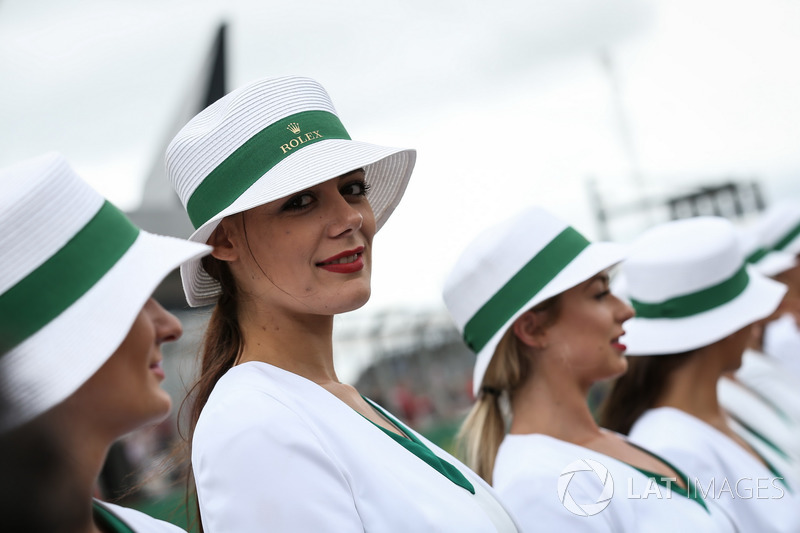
(355, 188)
(603, 294)
(298, 202)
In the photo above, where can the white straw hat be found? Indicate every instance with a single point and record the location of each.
(75, 274)
(780, 228)
(262, 142)
(510, 268)
(766, 261)
(690, 287)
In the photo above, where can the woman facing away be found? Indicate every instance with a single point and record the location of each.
(80, 343)
(763, 393)
(531, 298)
(695, 301)
(271, 179)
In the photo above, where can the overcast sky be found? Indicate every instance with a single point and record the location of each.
(507, 102)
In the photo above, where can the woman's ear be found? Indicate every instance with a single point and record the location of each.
(223, 240)
(530, 331)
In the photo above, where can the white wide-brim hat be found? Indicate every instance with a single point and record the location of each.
(779, 228)
(766, 261)
(690, 287)
(264, 141)
(76, 273)
(510, 268)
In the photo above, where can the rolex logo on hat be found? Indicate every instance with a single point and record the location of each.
(266, 140)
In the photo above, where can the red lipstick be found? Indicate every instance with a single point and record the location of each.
(345, 262)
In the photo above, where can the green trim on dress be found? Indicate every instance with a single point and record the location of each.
(107, 521)
(411, 443)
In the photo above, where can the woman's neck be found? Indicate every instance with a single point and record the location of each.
(298, 343)
(82, 450)
(555, 407)
(692, 387)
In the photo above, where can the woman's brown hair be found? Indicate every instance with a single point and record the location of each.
(222, 345)
(639, 389)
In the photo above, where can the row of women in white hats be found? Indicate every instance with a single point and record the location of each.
(289, 205)
(685, 439)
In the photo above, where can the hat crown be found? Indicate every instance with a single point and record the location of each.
(778, 228)
(219, 130)
(494, 257)
(36, 192)
(682, 257)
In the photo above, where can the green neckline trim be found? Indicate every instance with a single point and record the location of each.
(772, 445)
(523, 286)
(418, 448)
(689, 492)
(108, 521)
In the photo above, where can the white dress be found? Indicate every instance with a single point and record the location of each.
(772, 380)
(782, 341)
(275, 452)
(135, 520)
(761, 417)
(754, 496)
(531, 475)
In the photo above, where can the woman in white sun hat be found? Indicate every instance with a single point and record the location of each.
(696, 300)
(531, 298)
(270, 178)
(779, 231)
(762, 392)
(80, 336)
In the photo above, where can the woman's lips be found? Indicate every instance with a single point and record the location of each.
(346, 262)
(156, 369)
(618, 345)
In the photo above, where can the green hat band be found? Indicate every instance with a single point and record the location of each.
(757, 256)
(523, 286)
(256, 157)
(61, 280)
(789, 237)
(696, 302)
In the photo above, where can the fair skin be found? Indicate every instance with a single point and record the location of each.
(579, 349)
(123, 395)
(297, 262)
(692, 387)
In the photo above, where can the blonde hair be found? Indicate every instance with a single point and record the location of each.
(484, 429)
(485, 426)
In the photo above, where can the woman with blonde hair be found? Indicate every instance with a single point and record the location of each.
(80, 342)
(271, 179)
(696, 301)
(531, 297)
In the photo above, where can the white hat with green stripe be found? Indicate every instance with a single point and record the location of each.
(510, 268)
(266, 140)
(780, 228)
(766, 261)
(75, 274)
(689, 284)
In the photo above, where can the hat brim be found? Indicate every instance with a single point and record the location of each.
(387, 172)
(663, 336)
(594, 259)
(775, 263)
(49, 366)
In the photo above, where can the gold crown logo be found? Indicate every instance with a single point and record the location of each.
(294, 127)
